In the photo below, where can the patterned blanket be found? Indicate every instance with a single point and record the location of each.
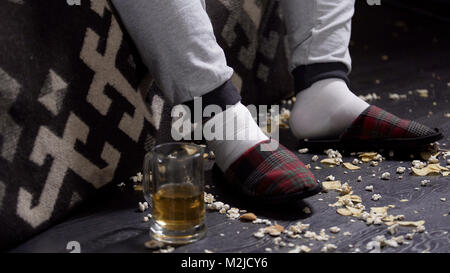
(79, 110)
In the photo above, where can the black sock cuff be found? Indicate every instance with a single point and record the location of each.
(307, 75)
(224, 95)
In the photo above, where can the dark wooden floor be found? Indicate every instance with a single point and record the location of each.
(418, 50)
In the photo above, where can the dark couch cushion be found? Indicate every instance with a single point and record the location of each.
(72, 114)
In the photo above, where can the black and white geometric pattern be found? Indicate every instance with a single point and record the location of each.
(77, 106)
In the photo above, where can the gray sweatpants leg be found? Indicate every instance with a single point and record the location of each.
(176, 41)
(318, 31)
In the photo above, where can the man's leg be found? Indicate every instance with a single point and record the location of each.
(176, 41)
(319, 34)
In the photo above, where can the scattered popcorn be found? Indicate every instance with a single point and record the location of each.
(153, 244)
(345, 189)
(319, 237)
(303, 151)
(334, 229)
(401, 170)
(307, 210)
(370, 97)
(328, 247)
(355, 161)
(146, 219)
(393, 229)
(137, 178)
(359, 178)
(262, 221)
(424, 183)
(385, 176)
(433, 160)
(374, 246)
(420, 229)
(215, 205)
(418, 164)
(422, 93)
(330, 178)
(209, 198)
(373, 163)
(233, 213)
(378, 158)
(285, 115)
(274, 230)
(381, 241)
(277, 241)
(167, 250)
(347, 233)
(298, 228)
(369, 188)
(259, 234)
(141, 207)
(333, 153)
(443, 199)
(121, 184)
(395, 96)
(315, 158)
(376, 197)
(300, 249)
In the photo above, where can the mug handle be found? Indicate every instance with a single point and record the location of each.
(147, 183)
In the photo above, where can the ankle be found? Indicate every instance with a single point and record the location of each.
(325, 110)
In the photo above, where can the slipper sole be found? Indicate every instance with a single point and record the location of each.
(358, 145)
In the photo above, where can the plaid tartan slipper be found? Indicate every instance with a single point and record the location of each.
(377, 129)
(272, 177)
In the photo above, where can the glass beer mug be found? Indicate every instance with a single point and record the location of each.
(174, 186)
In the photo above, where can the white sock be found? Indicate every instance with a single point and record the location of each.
(241, 130)
(325, 110)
